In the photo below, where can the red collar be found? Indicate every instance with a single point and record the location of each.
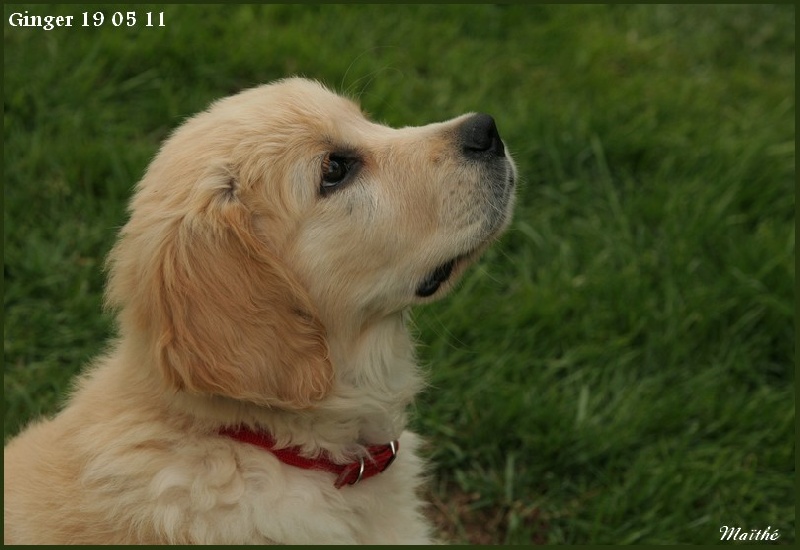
(378, 459)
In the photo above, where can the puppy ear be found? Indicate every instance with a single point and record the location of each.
(223, 314)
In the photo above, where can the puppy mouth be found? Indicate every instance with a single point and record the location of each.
(436, 278)
(496, 221)
(441, 274)
(444, 272)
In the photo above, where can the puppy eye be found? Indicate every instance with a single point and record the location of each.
(335, 172)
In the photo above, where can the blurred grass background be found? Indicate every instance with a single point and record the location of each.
(620, 369)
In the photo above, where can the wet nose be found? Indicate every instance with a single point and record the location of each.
(479, 137)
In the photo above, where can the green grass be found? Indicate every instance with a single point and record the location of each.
(620, 369)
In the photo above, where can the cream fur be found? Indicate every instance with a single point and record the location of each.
(245, 297)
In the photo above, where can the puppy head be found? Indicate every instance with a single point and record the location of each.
(281, 218)
(393, 216)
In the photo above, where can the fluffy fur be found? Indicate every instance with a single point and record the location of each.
(246, 296)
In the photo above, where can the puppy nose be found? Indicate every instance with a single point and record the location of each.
(479, 136)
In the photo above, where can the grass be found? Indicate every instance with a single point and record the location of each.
(620, 369)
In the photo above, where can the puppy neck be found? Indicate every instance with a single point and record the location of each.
(376, 377)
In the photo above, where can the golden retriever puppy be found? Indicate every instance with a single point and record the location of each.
(257, 390)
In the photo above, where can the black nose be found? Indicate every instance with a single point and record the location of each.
(479, 137)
